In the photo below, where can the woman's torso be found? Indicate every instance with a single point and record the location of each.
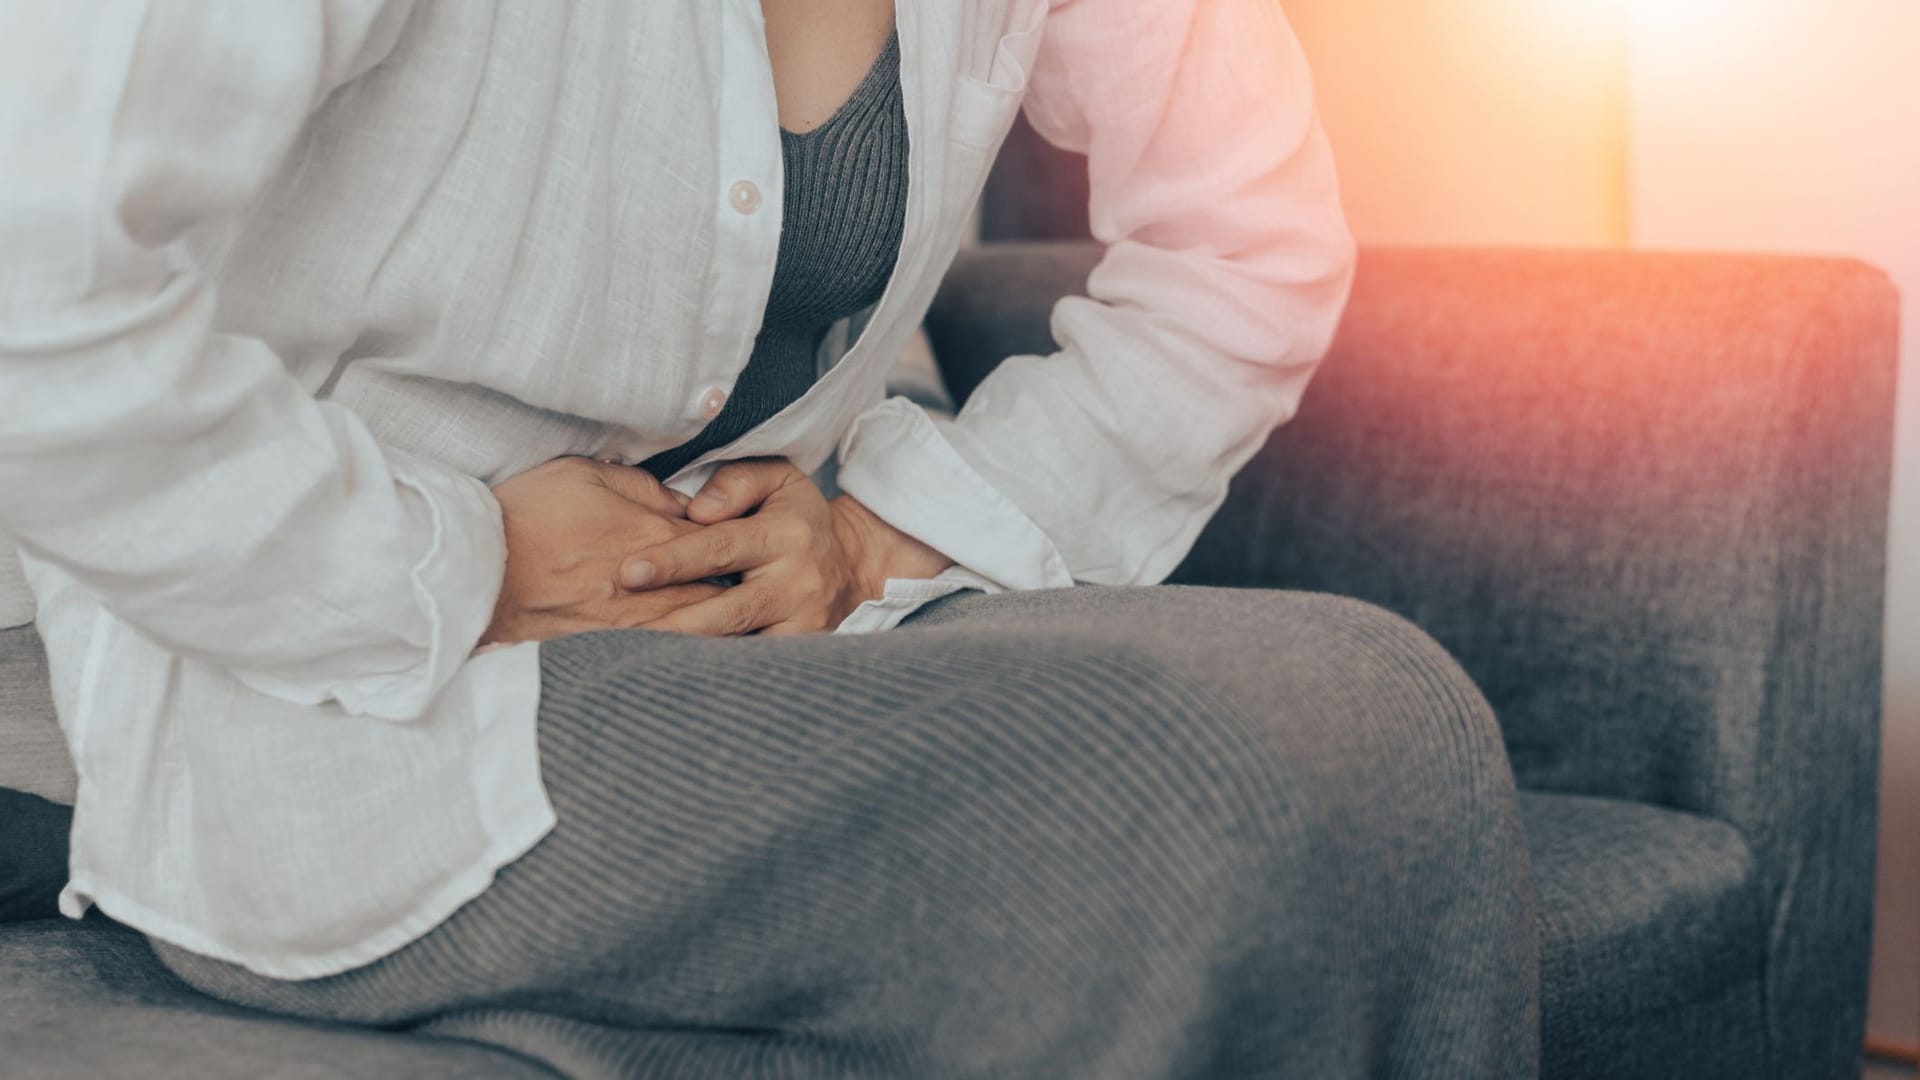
(521, 234)
(844, 207)
(531, 225)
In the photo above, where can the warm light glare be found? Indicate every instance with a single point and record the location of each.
(1682, 19)
(1667, 19)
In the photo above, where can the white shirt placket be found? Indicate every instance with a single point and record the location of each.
(748, 207)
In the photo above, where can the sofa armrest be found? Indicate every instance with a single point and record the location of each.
(1641, 497)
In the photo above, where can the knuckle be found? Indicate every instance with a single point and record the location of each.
(741, 617)
(765, 609)
(666, 565)
(786, 533)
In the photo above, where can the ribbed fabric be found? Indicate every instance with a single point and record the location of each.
(1101, 833)
(845, 211)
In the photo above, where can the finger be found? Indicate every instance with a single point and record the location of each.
(636, 609)
(740, 610)
(792, 628)
(738, 486)
(638, 486)
(727, 548)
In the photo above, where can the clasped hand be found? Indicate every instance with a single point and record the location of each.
(593, 546)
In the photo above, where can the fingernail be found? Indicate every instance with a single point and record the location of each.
(710, 500)
(637, 575)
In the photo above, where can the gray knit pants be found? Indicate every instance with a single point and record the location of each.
(1101, 833)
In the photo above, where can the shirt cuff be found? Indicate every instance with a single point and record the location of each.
(904, 596)
(898, 464)
(454, 586)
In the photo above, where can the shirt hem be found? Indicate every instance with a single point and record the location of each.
(441, 905)
(513, 812)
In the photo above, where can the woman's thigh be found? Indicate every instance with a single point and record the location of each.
(1309, 672)
(1032, 756)
(1024, 792)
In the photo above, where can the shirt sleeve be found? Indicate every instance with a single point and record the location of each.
(178, 473)
(1228, 264)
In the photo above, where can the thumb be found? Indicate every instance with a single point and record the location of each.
(637, 485)
(737, 487)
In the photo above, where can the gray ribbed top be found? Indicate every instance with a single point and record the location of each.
(845, 210)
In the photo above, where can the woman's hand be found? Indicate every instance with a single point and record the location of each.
(806, 563)
(570, 524)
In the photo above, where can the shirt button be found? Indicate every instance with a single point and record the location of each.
(712, 402)
(744, 197)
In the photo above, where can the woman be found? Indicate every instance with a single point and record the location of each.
(333, 336)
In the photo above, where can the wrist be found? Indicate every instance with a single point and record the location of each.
(879, 551)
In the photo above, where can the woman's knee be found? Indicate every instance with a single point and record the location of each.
(1416, 755)
(1346, 711)
(1422, 694)
(1308, 728)
(1282, 692)
(1313, 661)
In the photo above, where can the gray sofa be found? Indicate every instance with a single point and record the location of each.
(1641, 497)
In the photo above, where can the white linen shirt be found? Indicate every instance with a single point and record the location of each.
(284, 287)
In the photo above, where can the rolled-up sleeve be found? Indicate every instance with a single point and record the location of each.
(1227, 267)
(178, 473)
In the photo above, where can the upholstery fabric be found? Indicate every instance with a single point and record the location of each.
(1645, 914)
(33, 753)
(16, 601)
(37, 782)
(1642, 497)
(86, 1001)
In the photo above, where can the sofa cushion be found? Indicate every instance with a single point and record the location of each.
(16, 600)
(33, 753)
(1652, 940)
(87, 1000)
(34, 768)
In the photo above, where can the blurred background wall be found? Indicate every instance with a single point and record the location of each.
(1774, 125)
(1474, 121)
